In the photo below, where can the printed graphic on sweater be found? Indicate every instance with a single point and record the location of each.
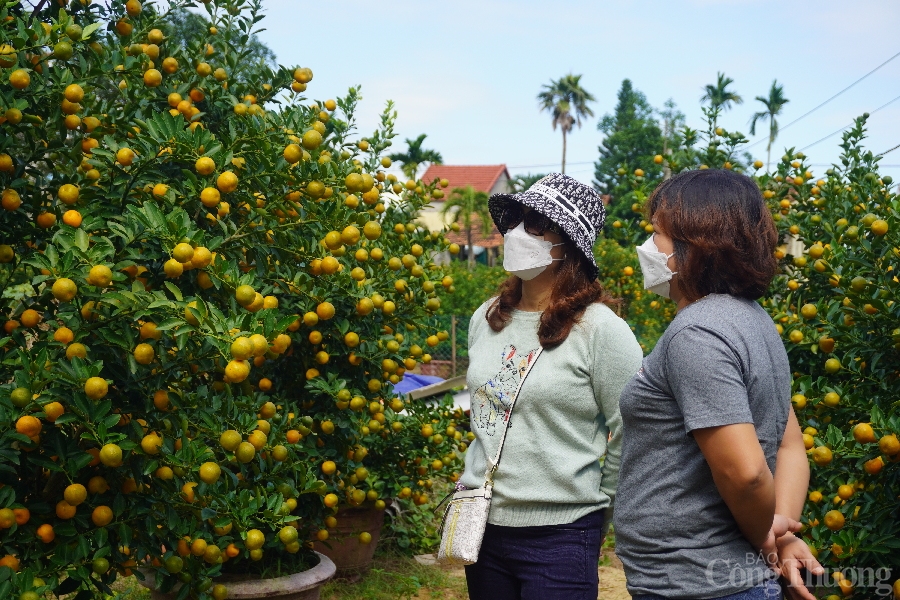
(492, 400)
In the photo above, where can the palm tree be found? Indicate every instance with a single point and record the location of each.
(719, 96)
(566, 101)
(467, 203)
(416, 155)
(774, 103)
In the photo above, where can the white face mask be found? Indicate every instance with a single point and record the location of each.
(526, 255)
(655, 266)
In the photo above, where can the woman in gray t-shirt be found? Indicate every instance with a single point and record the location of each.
(701, 511)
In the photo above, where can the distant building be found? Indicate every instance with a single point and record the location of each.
(491, 179)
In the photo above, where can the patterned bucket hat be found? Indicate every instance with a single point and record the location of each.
(574, 206)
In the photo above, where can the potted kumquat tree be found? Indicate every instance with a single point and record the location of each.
(215, 285)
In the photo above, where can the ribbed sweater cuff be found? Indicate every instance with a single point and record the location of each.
(534, 515)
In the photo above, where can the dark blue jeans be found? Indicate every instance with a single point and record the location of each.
(769, 590)
(548, 562)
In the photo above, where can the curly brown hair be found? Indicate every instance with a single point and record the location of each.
(722, 230)
(573, 291)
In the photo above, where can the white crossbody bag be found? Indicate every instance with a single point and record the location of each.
(466, 514)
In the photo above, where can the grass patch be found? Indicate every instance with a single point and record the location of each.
(608, 548)
(400, 577)
(129, 588)
(123, 588)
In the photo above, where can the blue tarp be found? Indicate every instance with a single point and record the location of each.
(411, 382)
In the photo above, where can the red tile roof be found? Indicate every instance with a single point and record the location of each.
(481, 177)
(491, 240)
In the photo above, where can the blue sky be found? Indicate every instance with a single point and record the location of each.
(467, 73)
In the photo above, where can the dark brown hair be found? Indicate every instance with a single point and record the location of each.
(723, 233)
(573, 291)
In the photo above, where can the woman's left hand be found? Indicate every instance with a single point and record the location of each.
(794, 555)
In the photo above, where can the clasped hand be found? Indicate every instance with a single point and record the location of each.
(787, 554)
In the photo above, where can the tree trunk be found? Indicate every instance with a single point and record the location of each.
(470, 254)
(768, 156)
(564, 151)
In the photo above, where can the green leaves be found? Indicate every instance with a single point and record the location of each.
(633, 137)
(174, 290)
(88, 31)
(859, 318)
(265, 233)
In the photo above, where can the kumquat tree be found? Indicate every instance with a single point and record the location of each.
(209, 286)
(834, 302)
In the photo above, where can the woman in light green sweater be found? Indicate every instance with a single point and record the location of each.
(552, 493)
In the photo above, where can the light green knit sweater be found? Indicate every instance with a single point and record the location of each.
(565, 419)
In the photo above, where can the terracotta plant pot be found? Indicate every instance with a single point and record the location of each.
(351, 557)
(300, 586)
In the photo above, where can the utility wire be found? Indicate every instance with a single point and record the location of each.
(780, 129)
(887, 151)
(806, 114)
(586, 162)
(848, 126)
(592, 162)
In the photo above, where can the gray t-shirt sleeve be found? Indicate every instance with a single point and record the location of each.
(706, 379)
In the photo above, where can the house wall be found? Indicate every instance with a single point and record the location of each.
(430, 217)
(501, 186)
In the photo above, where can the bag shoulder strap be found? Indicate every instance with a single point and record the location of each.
(492, 465)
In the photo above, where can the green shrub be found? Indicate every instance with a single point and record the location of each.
(471, 288)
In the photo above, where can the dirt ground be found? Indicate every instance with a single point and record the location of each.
(612, 580)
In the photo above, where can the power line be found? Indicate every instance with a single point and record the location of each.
(806, 114)
(763, 139)
(887, 151)
(780, 129)
(587, 162)
(848, 126)
(812, 164)
(880, 166)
